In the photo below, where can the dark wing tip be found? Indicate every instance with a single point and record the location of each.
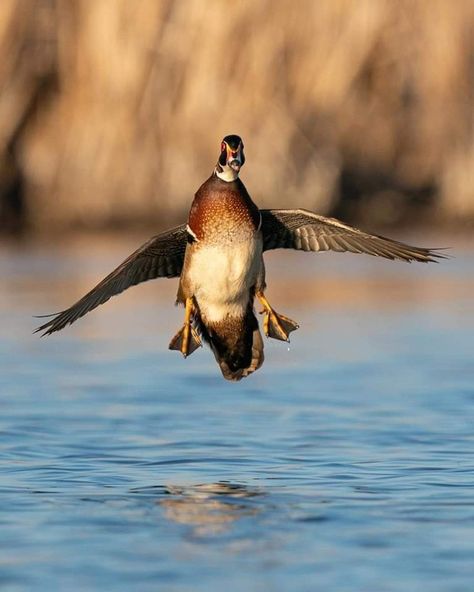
(42, 328)
(430, 255)
(435, 252)
(55, 324)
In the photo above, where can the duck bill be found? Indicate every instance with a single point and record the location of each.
(235, 164)
(234, 159)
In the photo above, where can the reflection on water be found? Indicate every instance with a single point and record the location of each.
(208, 508)
(343, 464)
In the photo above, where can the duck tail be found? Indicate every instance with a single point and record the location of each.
(236, 343)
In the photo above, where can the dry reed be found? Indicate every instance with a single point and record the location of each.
(111, 111)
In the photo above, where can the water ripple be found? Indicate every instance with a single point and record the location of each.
(344, 464)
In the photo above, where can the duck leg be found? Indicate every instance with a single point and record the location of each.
(186, 339)
(274, 324)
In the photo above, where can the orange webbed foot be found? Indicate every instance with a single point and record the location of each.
(186, 339)
(275, 325)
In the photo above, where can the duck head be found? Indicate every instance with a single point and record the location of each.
(231, 158)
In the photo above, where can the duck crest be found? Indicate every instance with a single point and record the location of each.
(223, 210)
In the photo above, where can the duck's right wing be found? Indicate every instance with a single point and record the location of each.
(161, 256)
(306, 231)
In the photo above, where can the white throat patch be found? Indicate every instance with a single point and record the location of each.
(228, 174)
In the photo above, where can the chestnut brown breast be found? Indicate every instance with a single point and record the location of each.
(223, 212)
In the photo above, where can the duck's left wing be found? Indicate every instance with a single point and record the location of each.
(303, 230)
(161, 256)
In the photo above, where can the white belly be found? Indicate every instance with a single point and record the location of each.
(221, 277)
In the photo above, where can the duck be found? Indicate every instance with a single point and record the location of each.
(218, 257)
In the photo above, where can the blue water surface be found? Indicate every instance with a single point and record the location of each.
(345, 464)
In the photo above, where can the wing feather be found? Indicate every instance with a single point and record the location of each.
(161, 256)
(307, 231)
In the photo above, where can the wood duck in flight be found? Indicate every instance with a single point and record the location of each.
(218, 257)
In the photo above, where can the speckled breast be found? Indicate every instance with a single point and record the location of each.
(223, 212)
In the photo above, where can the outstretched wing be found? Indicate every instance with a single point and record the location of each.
(161, 256)
(303, 230)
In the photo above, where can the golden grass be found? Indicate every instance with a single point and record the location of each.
(112, 111)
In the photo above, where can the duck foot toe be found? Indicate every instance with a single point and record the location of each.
(186, 341)
(278, 326)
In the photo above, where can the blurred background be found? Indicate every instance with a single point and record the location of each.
(345, 462)
(111, 112)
